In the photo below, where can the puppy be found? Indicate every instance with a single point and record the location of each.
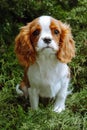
(44, 47)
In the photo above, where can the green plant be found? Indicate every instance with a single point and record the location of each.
(15, 112)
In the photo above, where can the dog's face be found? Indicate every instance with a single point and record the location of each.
(44, 34)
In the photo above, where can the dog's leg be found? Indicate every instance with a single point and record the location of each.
(33, 97)
(61, 96)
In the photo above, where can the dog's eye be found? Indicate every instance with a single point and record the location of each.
(36, 32)
(56, 31)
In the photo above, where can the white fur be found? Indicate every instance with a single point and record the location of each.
(20, 92)
(48, 78)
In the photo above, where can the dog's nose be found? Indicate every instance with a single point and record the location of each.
(47, 40)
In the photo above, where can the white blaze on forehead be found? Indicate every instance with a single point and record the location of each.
(45, 21)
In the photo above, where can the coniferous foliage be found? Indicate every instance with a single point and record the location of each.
(15, 112)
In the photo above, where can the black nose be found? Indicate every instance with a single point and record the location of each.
(47, 40)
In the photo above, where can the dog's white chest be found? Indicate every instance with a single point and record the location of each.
(46, 75)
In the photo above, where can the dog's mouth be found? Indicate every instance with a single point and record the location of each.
(48, 47)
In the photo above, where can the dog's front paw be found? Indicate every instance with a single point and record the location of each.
(59, 108)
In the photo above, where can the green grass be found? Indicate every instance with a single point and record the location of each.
(15, 111)
(15, 115)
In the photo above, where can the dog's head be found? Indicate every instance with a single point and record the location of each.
(44, 34)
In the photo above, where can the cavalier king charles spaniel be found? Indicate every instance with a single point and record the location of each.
(44, 47)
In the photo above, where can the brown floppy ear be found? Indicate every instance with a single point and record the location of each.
(66, 45)
(23, 47)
